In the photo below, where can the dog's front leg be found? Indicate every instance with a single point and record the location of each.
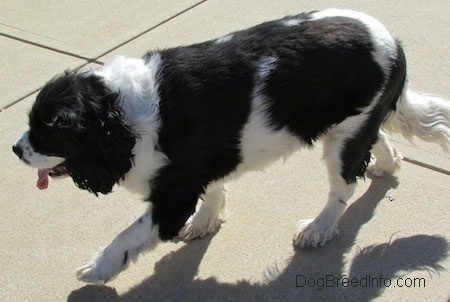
(142, 235)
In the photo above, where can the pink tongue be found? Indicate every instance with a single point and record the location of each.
(42, 182)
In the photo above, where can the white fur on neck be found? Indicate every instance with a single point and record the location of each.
(138, 87)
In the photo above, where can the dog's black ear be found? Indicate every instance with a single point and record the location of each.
(104, 156)
(103, 152)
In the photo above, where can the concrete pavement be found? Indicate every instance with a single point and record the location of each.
(395, 232)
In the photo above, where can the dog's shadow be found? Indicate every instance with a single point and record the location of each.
(175, 274)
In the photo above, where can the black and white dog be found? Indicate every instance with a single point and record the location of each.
(177, 124)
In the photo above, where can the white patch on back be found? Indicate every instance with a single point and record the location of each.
(260, 144)
(384, 43)
(224, 39)
(291, 22)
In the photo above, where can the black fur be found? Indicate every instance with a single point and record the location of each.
(356, 155)
(324, 71)
(77, 117)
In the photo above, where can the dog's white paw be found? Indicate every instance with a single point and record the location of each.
(311, 233)
(198, 226)
(385, 166)
(104, 267)
(375, 170)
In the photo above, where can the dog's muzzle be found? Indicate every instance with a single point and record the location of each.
(18, 150)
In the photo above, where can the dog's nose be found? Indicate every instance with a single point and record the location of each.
(18, 150)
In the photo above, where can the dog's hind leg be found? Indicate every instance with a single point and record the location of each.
(316, 232)
(346, 155)
(208, 218)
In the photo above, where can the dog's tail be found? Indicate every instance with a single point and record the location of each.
(421, 115)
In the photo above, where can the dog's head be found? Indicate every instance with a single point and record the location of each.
(76, 127)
